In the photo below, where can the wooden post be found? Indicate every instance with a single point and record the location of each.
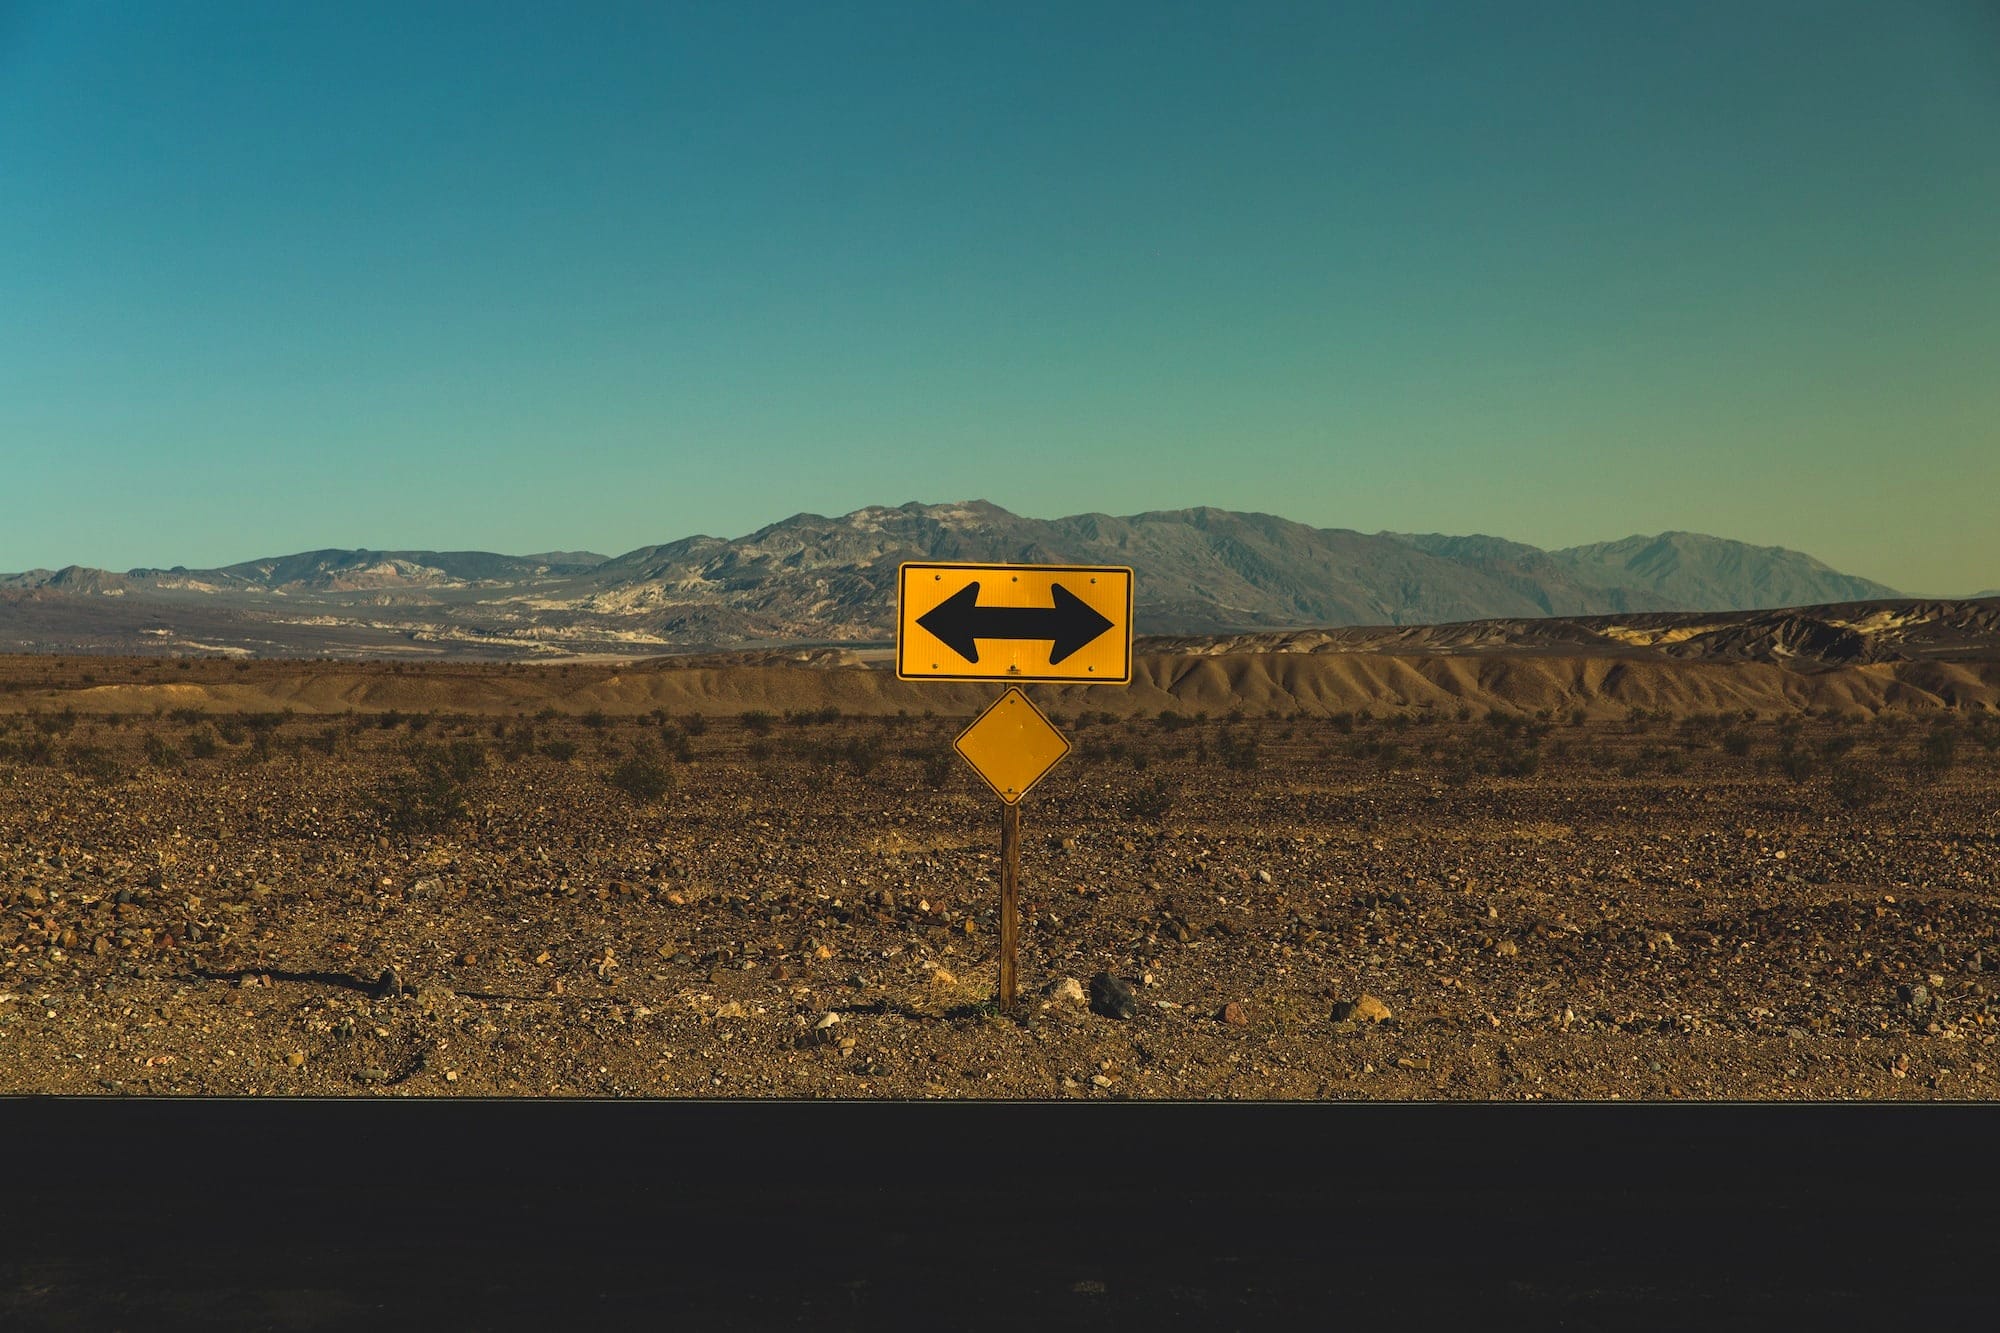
(1010, 883)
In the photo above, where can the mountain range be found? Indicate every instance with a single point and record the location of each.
(815, 579)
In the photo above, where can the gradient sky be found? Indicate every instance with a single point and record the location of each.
(519, 277)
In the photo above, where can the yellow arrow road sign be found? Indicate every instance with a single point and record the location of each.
(1012, 746)
(1014, 622)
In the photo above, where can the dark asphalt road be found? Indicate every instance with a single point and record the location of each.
(401, 1213)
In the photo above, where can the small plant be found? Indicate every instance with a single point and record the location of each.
(160, 754)
(863, 754)
(95, 764)
(1857, 788)
(1796, 762)
(646, 775)
(1937, 752)
(1150, 802)
(1237, 752)
(430, 794)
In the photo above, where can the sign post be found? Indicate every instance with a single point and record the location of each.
(1010, 889)
(1013, 623)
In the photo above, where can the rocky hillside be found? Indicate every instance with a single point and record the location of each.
(814, 579)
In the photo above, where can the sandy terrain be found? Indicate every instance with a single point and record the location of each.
(1417, 904)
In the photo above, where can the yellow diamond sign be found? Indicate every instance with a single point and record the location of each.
(1012, 746)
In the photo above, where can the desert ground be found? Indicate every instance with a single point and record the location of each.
(774, 879)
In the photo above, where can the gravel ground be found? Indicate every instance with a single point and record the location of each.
(1312, 907)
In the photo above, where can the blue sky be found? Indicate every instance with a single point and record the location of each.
(523, 277)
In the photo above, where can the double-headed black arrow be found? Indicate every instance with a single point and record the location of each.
(960, 622)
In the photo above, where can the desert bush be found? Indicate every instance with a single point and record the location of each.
(518, 742)
(863, 754)
(1098, 749)
(1237, 751)
(203, 743)
(1857, 788)
(646, 776)
(231, 731)
(1151, 801)
(1796, 762)
(595, 719)
(695, 724)
(93, 763)
(675, 742)
(812, 717)
(160, 754)
(39, 751)
(326, 741)
(757, 722)
(561, 751)
(1736, 741)
(430, 793)
(937, 767)
(1937, 753)
(1170, 720)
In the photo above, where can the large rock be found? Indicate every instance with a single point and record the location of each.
(1112, 997)
(1366, 1009)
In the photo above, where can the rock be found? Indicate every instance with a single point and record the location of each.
(1111, 997)
(295, 1059)
(1235, 1014)
(438, 1000)
(1068, 989)
(826, 1020)
(1101, 1080)
(1507, 948)
(940, 977)
(1367, 1009)
(1263, 877)
(371, 1074)
(389, 983)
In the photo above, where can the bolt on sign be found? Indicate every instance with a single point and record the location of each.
(1068, 623)
(1014, 623)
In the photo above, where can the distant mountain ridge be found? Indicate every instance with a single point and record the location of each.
(817, 579)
